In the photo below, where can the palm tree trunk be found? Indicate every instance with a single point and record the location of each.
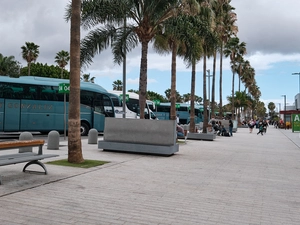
(213, 86)
(232, 96)
(205, 116)
(192, 110)
(143, 79)
(220, 82)
(173, 82)
(74, 137)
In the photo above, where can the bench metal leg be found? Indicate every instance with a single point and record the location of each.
(35, 162)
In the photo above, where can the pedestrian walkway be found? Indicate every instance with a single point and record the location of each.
(246, 179)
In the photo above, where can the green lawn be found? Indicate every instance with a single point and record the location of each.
(86, 164)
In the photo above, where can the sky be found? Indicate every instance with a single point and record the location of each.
(270, 29)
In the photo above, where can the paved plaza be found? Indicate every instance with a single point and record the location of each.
(247, 179)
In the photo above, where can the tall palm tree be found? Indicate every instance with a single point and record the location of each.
(225, 27)
(74, 139)
(144, 20)
(199, 30)
(30, 53)
(235, 50)
(171, 40)
(62, 58)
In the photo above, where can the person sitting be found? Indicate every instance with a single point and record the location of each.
(180, 131)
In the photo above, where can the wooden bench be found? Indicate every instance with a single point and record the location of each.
(139, 136)
(29, 157)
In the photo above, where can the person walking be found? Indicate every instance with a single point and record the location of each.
(251, 125)
(260, 128)
(230, 127)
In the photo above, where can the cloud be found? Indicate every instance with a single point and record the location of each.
(136, 81)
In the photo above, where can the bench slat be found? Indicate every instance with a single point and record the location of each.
(18, 144)
(28, 158)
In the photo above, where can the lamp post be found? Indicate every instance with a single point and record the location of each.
(299, 79)
(284, 115)
(209, 76)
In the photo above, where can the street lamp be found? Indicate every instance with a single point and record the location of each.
(299, 79)
(209, 76)
(284, 115)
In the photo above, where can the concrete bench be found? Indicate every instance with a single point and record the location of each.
(225, 123)
(139, 136)
(29, 157)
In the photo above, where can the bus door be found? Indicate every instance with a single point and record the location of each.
(12, 112)
(99, 113)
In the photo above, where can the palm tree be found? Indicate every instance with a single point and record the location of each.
(225, 27)
(9, 66)
(62, 58)
(169, 41)
(144, 20)
(74, 139)
(271, 107)
(118, 85)
(197, 36)
(240, 101)
(30, 53)
(235, 50)
(87, 78)
(186, 97)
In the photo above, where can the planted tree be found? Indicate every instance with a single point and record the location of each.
(62, 58)
(30, 53)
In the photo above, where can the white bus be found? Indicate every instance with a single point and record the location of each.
(132, 105)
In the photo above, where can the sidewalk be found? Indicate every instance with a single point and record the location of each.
(246, 179)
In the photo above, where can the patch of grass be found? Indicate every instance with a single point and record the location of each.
(86, 164)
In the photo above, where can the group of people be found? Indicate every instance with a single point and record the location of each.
(260, 124)
(220, 129)
(217, 127)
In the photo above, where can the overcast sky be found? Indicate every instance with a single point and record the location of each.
(270, 28)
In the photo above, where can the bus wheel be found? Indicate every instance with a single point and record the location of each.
(84, 129)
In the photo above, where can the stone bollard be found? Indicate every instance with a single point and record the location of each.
(25, 136)
(92, 136)
(53, 140)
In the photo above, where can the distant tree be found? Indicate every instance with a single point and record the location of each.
(43, 70)
(87, 78)
(62, 58)
(186, 97)
(9, 66)
(261, 109)
(30, 53)
(155, 96)
(134, 91)
(117, 85)
(168, 95)
(198, 99)
(271, 107)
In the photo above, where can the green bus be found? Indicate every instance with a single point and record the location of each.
(182, 110)
(35, 104)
